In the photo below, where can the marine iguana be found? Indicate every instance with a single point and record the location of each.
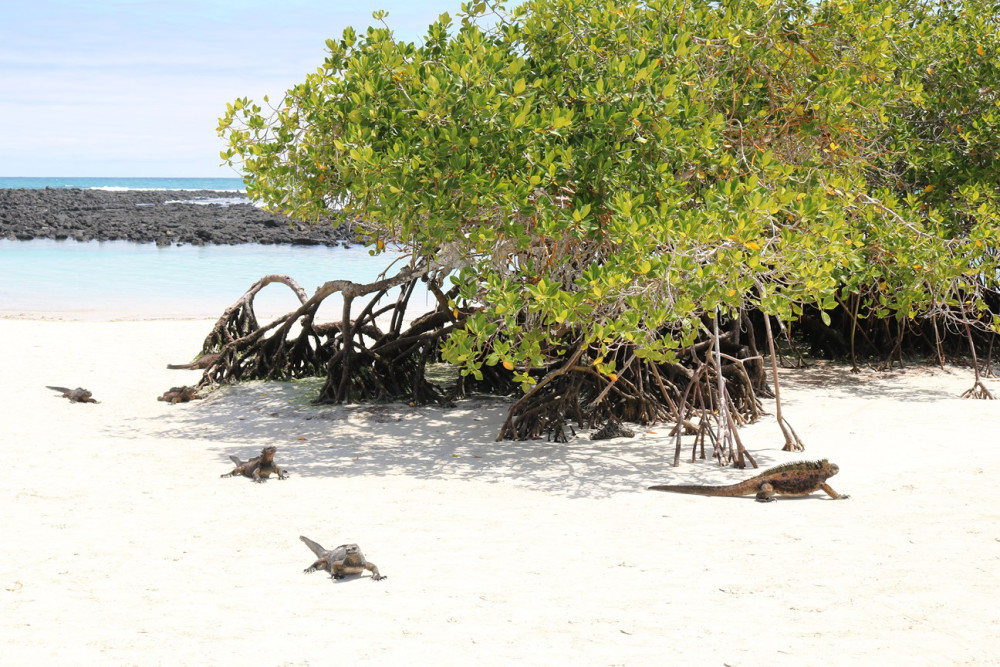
(204, 361)
(612, 429)
(259, 467)
(790, 479)
(180, 395)
(345, 559)
(78, 395)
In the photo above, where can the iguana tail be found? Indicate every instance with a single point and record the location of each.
(203, 361)
(63, 390)
(694, 489)
(316, 549)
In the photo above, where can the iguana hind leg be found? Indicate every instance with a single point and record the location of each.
(765, 494)
(235, 471)
(318, 565)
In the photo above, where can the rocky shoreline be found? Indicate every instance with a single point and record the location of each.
(164, 217)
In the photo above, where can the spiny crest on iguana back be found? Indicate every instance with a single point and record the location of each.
(823, 464)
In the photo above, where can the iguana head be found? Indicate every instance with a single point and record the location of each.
(831, 468)
(267, 454)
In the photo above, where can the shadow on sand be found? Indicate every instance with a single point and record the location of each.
(837, 380)
(430, 442)
(422, 442)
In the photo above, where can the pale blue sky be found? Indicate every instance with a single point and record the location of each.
(135, 87)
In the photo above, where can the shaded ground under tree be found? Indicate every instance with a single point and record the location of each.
(375, 353)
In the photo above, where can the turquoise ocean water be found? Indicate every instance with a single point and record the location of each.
(118, 279)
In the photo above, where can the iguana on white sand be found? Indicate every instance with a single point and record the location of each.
(345, 559)
(790, 479)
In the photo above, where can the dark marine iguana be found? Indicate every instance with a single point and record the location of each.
(790, 479)
(345, 559)
(258, 468)
(204, 361)
(612, 429)
(78, 395)
(180, 395)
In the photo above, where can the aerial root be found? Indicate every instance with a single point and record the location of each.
(978, 390)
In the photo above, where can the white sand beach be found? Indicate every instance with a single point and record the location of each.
(122, 545)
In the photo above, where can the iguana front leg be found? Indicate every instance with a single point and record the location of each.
(830, 492)
(337, 569)
(374, 570)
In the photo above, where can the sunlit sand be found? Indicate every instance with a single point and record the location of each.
(122, 545)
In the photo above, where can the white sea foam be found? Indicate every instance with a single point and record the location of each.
(212, 201)
(114, 188)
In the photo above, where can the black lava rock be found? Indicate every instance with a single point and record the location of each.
(163, 217)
